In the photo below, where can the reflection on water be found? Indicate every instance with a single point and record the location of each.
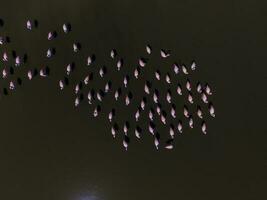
(88, 197)
(91, 194)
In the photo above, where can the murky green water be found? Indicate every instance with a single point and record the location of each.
(50, 150)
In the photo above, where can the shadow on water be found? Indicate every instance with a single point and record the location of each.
(19, 81)
(1, 22)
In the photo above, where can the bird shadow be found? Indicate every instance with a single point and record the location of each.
(35, 72)
(54, 33)
(91, 76)
(81, 96)
(25, 58)
(5, 91)
(47, 70)
(19, 81)
(36, 23)
(79, 46)
(11, 70)
(169, 141)
(69, 28)
(66, 80)
(127, 124)
(14, 54)
(116, 126)
(127, 139)
(130, 95)
(2, 22)
(8, 39)
(157, 135)
(139, 129)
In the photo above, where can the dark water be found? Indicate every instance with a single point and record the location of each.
(49, 150)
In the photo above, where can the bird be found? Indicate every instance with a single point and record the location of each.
(77, 101)
(146, 88)
(49, 53)
(211, 110)
(69, 69)
(151, 128)
(86, 80)
(95, 114)
(163, 119)
(2, 41)
(125, 144)
(155, 97)
(125, 81)
(143, 104)
(137, 115)
(191, 122)
(30, 74)
(110, 116)
(4, 73)
(11, 85)
(207, 89)
(137, 132)
(77, 88)
(142, 62)
(179, 89)
(107, 87)
(199, 112)
(168, 79)
(157, 75)
(76, 47)
(66, 28)
(169, 146)
(127, 100)
(61, 84)
(184, 69)
(148, 49)
(43, 72)
(113, 131)
(136, 73)
(171, 131)
(199, 87)
(5, 57)
(151, 114)
(51, 35)
(180, 126)
(89, 60)
(117, 94)
(158, 109)
(119, 64)
(113, 53)
(204, 127)
(188, 85)
(186, 113)
(169, 97)
(125, 128)
(17, 61)
(190, 98)
(156, 143)
(193, 66)
(29, 25)
(204, 98)
(99, 96)
(173, 112)
(90, 97)
(164, 53)
(176, 68)
(101, 72)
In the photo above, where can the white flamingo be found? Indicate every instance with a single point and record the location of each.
(148, 49)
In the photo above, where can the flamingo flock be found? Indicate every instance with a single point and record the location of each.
(156, 107)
